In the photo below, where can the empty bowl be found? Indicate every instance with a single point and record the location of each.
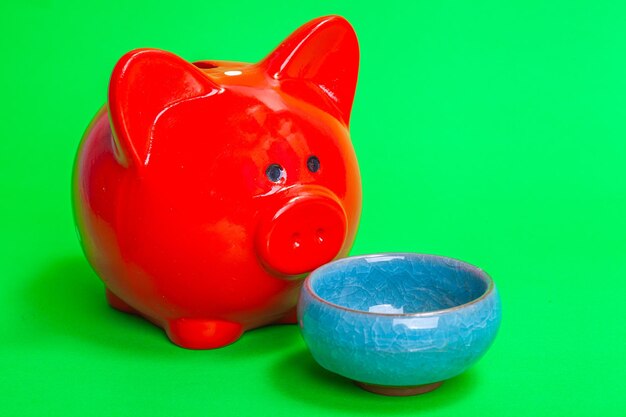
(398, 323)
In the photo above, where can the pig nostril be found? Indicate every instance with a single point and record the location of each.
(319, 234)
(295, 238)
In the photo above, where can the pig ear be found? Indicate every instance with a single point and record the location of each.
(325, 53)
(143, 84)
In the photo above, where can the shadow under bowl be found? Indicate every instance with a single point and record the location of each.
(398, 323)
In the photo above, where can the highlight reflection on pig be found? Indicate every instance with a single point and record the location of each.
(204, 193)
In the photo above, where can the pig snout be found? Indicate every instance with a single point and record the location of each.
(304, 230)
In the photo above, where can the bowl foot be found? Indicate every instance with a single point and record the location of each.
(399, 391)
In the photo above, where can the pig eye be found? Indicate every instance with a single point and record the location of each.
(313, 163)
(275, 173)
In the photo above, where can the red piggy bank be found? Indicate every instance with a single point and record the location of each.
(205, 192)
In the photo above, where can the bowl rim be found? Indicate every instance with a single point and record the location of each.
(479, 272)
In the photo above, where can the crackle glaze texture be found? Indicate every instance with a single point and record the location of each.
(398, 319)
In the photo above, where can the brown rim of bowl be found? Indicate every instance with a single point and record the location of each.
(479, 273)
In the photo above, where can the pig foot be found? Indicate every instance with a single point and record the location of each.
(117, 303)
(203, 333)
(290, 317)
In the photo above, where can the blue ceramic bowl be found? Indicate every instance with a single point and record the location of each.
(398, 323)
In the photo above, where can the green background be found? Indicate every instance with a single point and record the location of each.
(493, 132)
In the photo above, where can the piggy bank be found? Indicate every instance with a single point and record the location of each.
(203, 193)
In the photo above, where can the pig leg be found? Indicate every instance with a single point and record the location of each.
(290, 317)
(118, 304)
(203, 333)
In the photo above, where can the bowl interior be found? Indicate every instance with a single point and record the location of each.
(399, 284)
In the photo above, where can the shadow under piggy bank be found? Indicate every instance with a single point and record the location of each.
(67, 299)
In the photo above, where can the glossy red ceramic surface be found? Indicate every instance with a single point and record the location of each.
(204, 193)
